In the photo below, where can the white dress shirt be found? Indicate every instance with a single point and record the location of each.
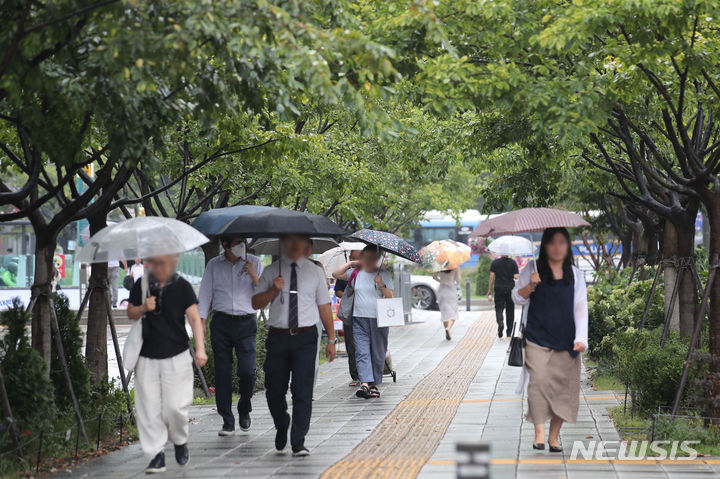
(226, 287)
(312, 291)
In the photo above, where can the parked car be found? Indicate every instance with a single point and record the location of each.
(424, 291)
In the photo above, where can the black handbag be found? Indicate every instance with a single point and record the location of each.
(128, 282)
(517, 343)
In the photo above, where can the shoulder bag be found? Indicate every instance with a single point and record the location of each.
(134, 341)
(345, 310)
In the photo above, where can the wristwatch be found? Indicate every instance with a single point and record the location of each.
(332, 341)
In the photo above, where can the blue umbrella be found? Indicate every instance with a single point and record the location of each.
(211, 222)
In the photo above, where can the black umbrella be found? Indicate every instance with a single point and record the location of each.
(388, 242)
(211, 221)
(280, 221)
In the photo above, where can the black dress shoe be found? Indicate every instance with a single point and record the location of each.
(300, 451)
(157, 465)
(539, 446)
(244, 421)
(281, 436)
(555, 448)
(182, 455)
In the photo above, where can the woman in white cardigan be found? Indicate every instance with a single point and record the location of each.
(555, 327)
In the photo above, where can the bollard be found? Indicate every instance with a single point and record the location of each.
(467, 294)
(99, 430)
(473, 460)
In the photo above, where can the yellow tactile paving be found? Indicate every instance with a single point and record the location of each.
(640, 462)
(403, 442)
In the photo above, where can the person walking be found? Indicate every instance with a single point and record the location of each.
(164, 372)
(114, 280)
(137, 270)
(447, 298)
(371, 341)
(340, 285)
(297, 293)
(227, 287)
(555, 327)
(503, 273)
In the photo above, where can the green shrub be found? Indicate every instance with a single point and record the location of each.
(614, 306)
(26, 377)
(482, 277)
(72, 340)
(652, 373)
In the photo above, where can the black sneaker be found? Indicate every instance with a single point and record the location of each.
(227, 430)
(157, 465)
(281, 437)
(244, 421)
(300, 451)
(182, 455)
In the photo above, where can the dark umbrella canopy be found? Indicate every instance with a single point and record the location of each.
(279, 221)
(388, 242)
(210, 222)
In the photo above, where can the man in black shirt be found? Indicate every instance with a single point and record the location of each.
(503, 272)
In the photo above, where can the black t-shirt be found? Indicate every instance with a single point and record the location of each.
(164, 334)
(340, 285)
(505, 270)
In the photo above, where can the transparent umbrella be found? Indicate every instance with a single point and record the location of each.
(336, 257)
(141, 237)
(512, 246)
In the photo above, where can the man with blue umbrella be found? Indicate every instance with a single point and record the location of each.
(227, 287)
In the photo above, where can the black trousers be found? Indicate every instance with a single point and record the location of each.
(503, 301)
(228, 334)
(350, 348)
(288, 355)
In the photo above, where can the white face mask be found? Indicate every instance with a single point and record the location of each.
(238, 250)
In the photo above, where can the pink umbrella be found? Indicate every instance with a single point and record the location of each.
(528, 220)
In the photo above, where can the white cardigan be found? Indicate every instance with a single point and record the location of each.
(580, 306)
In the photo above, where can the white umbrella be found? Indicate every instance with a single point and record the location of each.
(141, 237)
(334, 258)
(512, 246)
(272, 245)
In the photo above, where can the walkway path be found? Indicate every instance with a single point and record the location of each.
(447, 391)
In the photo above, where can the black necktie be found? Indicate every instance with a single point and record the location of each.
(293, 305)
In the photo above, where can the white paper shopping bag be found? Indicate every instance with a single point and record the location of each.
(390, 312)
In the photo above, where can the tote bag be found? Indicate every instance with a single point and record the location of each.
(390, 312)
(345, 310)
(517, 344)
(134, 340)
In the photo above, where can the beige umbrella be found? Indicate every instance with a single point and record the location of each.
(528, 220)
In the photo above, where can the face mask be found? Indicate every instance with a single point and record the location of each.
(238, 250)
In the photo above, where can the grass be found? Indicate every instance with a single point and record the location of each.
(607, 383)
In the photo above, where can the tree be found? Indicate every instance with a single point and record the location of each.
(96, 83)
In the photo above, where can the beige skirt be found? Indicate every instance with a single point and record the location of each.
(554, 387)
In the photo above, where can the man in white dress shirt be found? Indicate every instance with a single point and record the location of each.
(227, 287)
(297, 292)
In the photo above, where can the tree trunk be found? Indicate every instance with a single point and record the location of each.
(713, 209)
(96, 346)
(41, 291)
(687, 294)
(670, 251)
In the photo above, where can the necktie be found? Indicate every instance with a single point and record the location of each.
(293, 304)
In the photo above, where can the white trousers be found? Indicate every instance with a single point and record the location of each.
(163, 394)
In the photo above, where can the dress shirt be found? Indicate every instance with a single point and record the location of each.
(312, 292)
(226, 287)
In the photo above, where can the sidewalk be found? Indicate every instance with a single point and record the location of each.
(340, 420)
(447, 391)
